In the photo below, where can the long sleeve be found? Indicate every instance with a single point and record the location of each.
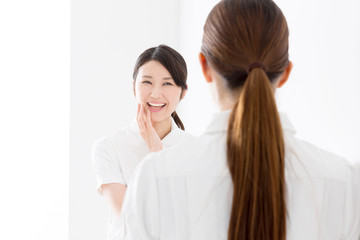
(140, 213)
(352, 206)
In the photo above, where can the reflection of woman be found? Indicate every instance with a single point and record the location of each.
(159, 84)
(247, 177)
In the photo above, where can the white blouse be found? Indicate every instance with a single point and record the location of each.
(114, 159)
(185, 192)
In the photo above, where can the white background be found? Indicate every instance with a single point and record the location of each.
(107, 36)
(321, 98)
(34, 119)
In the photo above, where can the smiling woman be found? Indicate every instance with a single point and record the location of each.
(157, 92)
(160, 74)
(159, 85)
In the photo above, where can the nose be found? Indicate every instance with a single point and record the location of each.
(155, 92)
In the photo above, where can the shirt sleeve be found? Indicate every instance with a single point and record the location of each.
(352, 206)
(140, 212)
(104, 163)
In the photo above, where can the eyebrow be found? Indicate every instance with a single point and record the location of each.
(165, 78)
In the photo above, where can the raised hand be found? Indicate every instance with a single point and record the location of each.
(147, 131)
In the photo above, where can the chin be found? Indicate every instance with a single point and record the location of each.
(159, 118)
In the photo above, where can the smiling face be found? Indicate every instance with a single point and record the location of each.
(156, 90)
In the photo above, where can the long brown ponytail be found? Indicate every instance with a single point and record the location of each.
(238, 33)
(255, 153)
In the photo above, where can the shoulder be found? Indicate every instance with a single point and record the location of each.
(185, 134)
(123, 135)
(182, 135)
(204, 155)
(319, 162)
(175, 137)
(186, 137)
(170, 155)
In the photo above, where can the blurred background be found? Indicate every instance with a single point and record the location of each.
(44, 196)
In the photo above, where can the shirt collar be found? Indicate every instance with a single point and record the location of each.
(220, 120)
(169, 139)
(286, 123)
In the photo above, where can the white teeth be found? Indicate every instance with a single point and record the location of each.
(157, 104)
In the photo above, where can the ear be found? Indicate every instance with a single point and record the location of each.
(205, 68)
(183, 94)
(285, 75)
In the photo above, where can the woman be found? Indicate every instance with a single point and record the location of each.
(159, 84)
(247, 177)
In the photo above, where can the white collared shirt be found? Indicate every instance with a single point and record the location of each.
(114, 159)
(185, 192)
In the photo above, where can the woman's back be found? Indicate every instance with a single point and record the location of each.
(189, 189)
(247, 177)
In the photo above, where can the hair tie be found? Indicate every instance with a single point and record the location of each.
(255, 65)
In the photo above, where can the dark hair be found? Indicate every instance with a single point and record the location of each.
(173, 62)
(239, 35)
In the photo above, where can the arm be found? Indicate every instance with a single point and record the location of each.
(140, 213)
(110, 182)
(114, 194)
(352, 206)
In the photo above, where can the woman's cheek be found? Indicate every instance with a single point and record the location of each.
(141, 95)
(175, 97)
(138, 97)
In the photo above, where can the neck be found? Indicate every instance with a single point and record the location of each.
(225, 99)
(226, 103)
(162, 128)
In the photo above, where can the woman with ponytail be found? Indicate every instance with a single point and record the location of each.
(159, 84)
(247, 177)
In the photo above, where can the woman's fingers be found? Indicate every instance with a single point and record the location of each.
(143, 116)
(144, 119)
(138, 111)
(147, 131)
(148, 118)
(140, 119)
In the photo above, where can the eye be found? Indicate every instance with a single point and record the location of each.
(168, 84)
(146, 82)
